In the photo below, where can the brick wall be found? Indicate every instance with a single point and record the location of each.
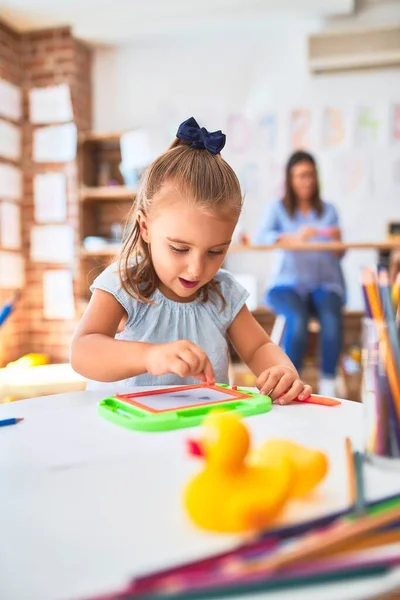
(13, 331)
(45, 58)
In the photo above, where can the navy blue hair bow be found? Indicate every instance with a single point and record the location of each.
(190, 131)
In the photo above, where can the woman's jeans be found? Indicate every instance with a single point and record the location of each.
(326, 306)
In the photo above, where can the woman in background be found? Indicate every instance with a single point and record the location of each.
(308, 282)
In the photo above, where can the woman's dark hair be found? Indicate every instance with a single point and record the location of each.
(289, 199)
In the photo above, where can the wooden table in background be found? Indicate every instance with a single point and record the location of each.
(318, 246)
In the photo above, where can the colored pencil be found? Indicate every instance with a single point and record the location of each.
(378, 318)
(393, 424)
(381, 445)
(248, 585)
(356, 554)
(338, 536)
(372, 294)
(360, 488)
(8, 307)
(390, 317)
(6, 422)
(397, 306)
(382, 368)
(258, 547)
(351, 475)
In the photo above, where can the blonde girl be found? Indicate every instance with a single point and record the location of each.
(179, 308)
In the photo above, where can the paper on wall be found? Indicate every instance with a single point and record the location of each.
(335, 128)
(267, 132)
(56, 143)
(10, 100)
(369, 125)
(10, 182)
(52, 244)
(395, 119)
(239, 133)
(50, 198)
(10, 226)
(58, 295)
(50, 104)
(12, 274)
(10, 140)
(302, 134)
(350, 175)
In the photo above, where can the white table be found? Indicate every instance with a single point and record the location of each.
(25, 382)
(85, 505)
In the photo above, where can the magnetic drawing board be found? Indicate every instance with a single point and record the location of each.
(181, 397)
(184, 398)
(179, 407)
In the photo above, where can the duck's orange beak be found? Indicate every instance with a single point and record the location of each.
(195, 448)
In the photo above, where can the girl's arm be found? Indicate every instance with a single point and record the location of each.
(276, 374)
(95, 353)
(254, 345)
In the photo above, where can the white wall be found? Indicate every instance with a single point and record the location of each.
(260, 68)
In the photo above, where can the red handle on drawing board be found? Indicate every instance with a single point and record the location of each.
(321, 400)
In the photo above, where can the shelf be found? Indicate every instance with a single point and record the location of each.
(117, 192)
(111, 250)
(101, 137)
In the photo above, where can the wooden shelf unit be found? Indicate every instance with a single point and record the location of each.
(107, 193)
(108, 251)
(92, 136)
(105, 203)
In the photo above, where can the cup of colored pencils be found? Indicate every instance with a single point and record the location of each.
(381, 369)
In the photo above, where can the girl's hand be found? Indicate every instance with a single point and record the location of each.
(182, 358)
(282, 383)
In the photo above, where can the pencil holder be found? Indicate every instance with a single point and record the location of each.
(381, 392)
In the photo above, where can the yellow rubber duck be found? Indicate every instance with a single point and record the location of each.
(231, 495)
(309, 466)
(33, 359)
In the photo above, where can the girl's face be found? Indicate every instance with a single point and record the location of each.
(303, 178)
(187, 244)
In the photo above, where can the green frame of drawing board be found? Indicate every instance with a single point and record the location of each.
(124, 411)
